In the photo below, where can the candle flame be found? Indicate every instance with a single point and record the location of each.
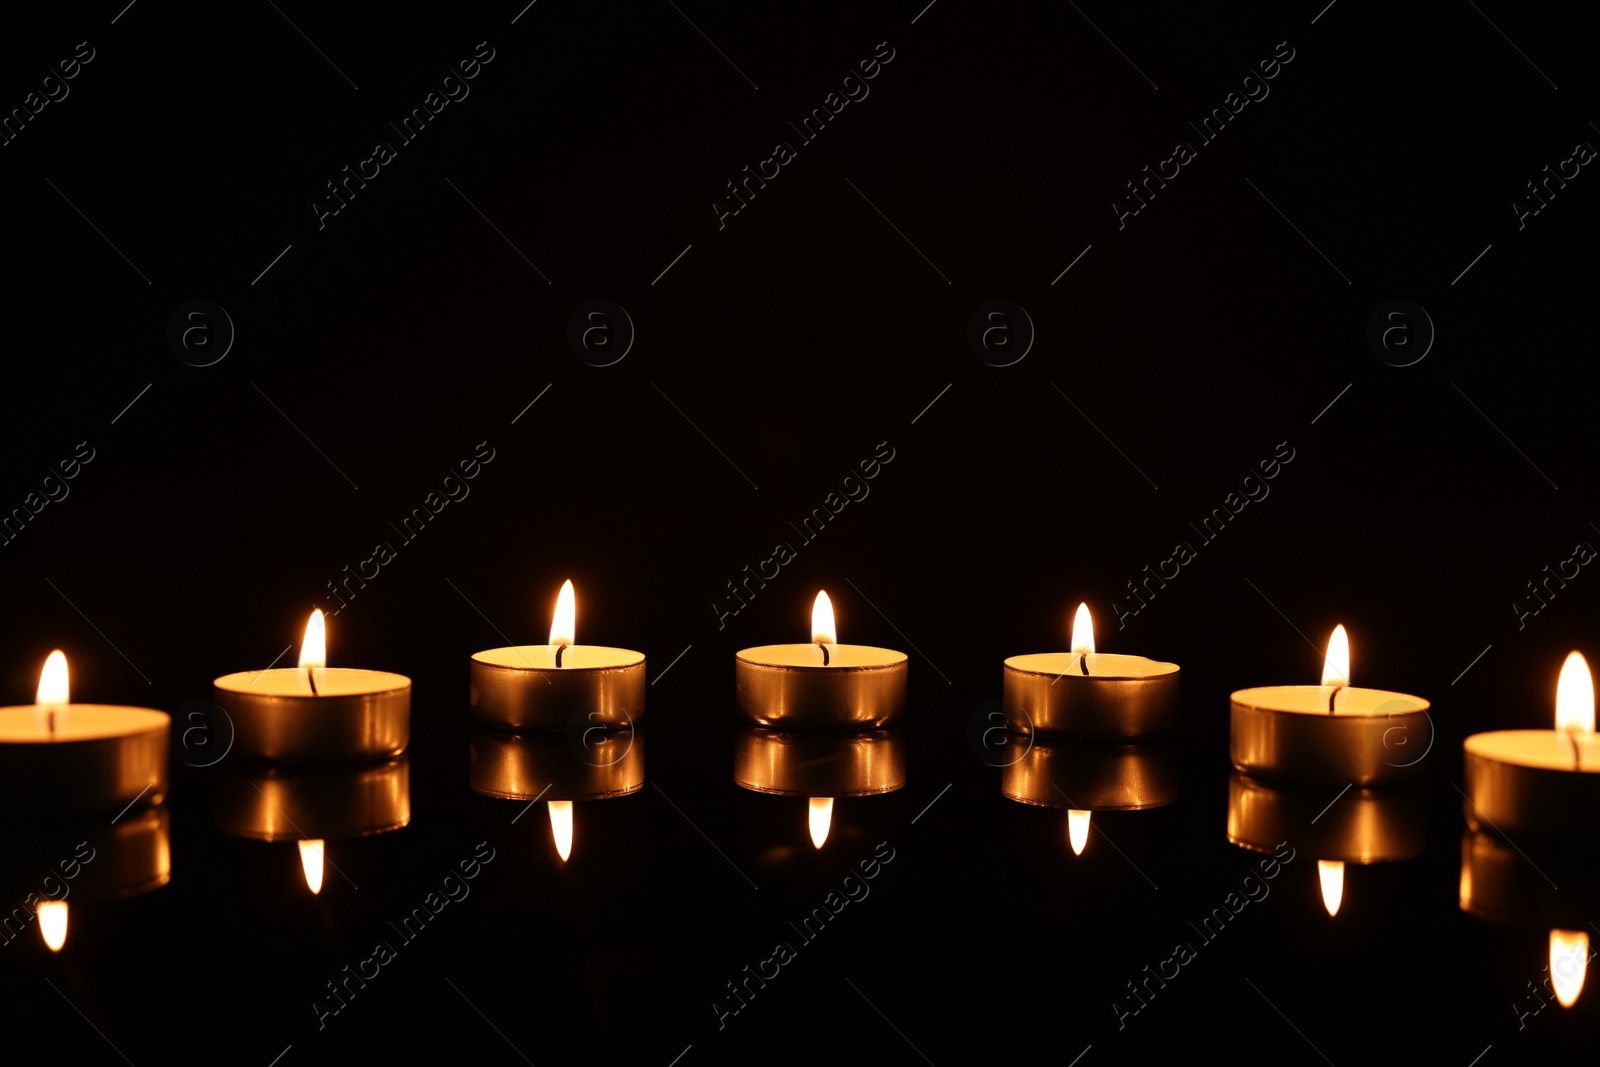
(561, 822)
(53, 687)
(564, 624)
(823, 630)
(1569, 959)
(314, 648)
(1575, 695)
(1331, 874)
(1077, 828)
(311, 863)
(1082, 630)
(1336, 665)
(53, 926)
(821, 819)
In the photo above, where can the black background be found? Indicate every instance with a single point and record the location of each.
(775, 354)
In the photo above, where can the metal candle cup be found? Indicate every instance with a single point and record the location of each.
(597, 766)
(1533, 783)
(1501, 884)
(1360, 826)
(1286, 732)
(819, 765)
(99, 757)
(1090, 777)
(348, 715)
(1120, 698)
(275, 804)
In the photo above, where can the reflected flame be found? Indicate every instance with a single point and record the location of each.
(53, 925)
(1575, 695)
(1569, 959)
(1082, 630)
(823, 631)
(1336, 665)
(1077, 829)
(821, 819)
(1331, 872)
(561, 821)
(564, 624)
(311, 863)
(314, 648)
(53, 687)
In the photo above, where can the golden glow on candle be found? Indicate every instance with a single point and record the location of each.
(53, 687)
(561, 823)
(1077, 826)
(1082, 630)
(1331, 874)
(821, 819)
(564, 623)
(314, 648)
(1569, 951)
(311, 860)
(1336, 665)
(53, 926)
(1574, 697)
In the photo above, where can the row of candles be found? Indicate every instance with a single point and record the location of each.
(92, 757)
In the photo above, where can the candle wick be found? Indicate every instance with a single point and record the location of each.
(824, 646)
(1572, 736)
(52, 720)
(311, 678)
(559, 650)
(1332, 697)
(1083, 662)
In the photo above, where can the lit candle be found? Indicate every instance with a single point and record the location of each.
(313, 807)
(821, 685)
(544, 687)
(820, 767)
(1085, 779)
(1329, 734)
(1088, 694)
(68, 757)
(1540, 783)
(314, 713)
(593, 765)
(1359, 826)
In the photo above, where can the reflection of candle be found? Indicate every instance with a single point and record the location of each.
(543, 687)
(1333, 733)
(1360, 826)
(314, 713)
(313, 807)
(1089, 694)
(1088, 778)
(1543, 783)
(80, 757)
(594, 765)
(821, 685)
(819, 767)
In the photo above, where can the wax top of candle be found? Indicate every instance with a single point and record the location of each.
(78, 722)
(331, 682)
(1551, 749)
(1313, 700)
(1103, 665)
(840, 657)
(575, 658)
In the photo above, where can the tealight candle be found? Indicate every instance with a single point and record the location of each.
(1085, 779)
(1542, 783)
(822, 685)
(543, 687)
(314, 713)
(1329, 734)
(68, 757)
(1088, 694)
(819, 767)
